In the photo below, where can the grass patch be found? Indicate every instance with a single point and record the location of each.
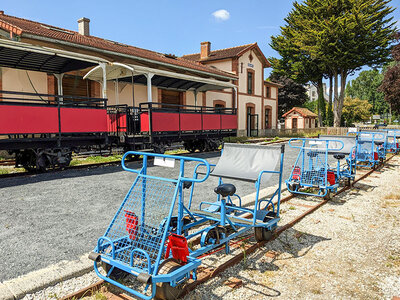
(95, 159)
(4, 171)
(393, 196)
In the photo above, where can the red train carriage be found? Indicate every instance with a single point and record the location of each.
(43, 130)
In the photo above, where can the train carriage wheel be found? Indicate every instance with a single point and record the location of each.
(163, 289)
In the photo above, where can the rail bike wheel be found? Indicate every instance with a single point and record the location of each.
(116, 273)
(328, 195)
(262, 234)
(164, 290)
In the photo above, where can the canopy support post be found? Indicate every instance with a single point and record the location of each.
(59, 86)
(149, 76)
(195, 98)
(235, 98)
(104, 92)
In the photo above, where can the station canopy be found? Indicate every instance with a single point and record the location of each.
(161, 78)
(24, 56)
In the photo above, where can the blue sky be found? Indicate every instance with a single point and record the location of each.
(167, 26)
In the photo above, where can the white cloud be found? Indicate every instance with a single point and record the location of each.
(221, 15)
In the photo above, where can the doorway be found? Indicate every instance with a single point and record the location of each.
(294, 123)
(251, 121)
(171, 97)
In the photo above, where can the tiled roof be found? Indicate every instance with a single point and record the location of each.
(21, 26)
(221, 53)
(301, 110)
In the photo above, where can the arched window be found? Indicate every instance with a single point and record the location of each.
(267, 117)
(219, 106)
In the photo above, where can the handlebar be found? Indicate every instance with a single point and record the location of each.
(182, 160)
(327, 142)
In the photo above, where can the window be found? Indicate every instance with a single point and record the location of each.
(268, 117)
(219, 106)
(268, 92)
(313, 94)
(250, 81)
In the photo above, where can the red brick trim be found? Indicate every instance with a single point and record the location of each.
(183, 97)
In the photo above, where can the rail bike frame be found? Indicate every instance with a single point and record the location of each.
(393, 137)
(145, 243)
(311, 169)
(371, 148)
(224, 212)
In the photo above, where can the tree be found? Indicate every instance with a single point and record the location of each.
(391, 82)
(290, 95)
(296, 64)
(355, 110)
(340, 36)
(366, 87)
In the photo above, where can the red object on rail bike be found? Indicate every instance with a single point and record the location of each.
(131, 224)
(296, 173)
(376, 157)
(331, 177)
(179, 247)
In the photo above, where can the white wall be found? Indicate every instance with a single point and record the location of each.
(18, 81)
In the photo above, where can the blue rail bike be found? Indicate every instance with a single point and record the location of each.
(311, 174)
(148, 238)
(393, 141)
(346, 157)
(371, 148)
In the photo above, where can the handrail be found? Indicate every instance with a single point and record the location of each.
(304, 140)
(182, 159)
(185, 108)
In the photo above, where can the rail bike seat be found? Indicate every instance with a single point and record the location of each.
(225, 189)
(379, 143)
(339, 156)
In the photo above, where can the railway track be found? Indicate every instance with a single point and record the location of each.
(205, 274)
(11, 162)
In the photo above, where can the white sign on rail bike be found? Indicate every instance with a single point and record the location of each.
(164, 162)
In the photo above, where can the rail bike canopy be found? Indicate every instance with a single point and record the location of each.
(349, 143)
(247, 162)
(161, 117)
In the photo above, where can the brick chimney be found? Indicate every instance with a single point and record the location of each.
(83, 26)
(205, 50)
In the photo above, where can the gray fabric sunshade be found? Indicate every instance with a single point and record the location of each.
(348, 141)
(245, 162)
(377, 136)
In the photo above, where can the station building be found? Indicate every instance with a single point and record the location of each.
(228, 78)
